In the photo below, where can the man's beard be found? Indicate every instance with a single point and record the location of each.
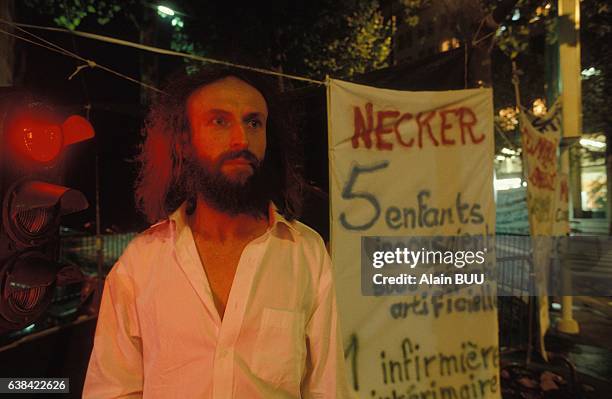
(250, 196)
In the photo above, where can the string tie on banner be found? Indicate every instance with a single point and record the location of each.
(89, 64)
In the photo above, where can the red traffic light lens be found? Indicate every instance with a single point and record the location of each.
(35, 221)
(76, 129)
(27, 283)
(25, 300)
(36, 133)
(37, 138)
(31, 210)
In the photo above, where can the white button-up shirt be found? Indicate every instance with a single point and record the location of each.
(159, 334)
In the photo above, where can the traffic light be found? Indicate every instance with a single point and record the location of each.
(33, 140)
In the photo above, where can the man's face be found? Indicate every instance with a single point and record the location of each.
(228, 128)
(228, 143)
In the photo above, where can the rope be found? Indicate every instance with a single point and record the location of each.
(58, 49)
(490, 23)
(30, 41)
(517, 95)
(482, 21)
(485, 37)
(501, 133)
(465, 65)
(515, 83)
(158, 50)
(81, 67)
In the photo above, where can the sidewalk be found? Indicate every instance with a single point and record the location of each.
(579, 367)
(591, 350)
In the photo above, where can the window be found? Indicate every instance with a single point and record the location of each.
(448, 44)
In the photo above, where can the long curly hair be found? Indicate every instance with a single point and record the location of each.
(162, 186)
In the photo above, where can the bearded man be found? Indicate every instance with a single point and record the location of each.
(227, 296)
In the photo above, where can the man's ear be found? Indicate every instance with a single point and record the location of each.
(183, 146)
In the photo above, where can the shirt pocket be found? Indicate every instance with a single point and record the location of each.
(279, 354)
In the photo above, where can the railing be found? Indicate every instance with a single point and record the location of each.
(82, 250)
(517, 328)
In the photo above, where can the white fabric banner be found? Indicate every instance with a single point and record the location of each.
(412, 164)
(540, 144)
(546, 198)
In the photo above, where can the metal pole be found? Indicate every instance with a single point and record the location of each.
(99, 241)
(569, 57)
(95, 306)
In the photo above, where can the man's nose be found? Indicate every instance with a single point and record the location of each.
(239, 137)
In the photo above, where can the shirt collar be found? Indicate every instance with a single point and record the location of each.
(178, 220)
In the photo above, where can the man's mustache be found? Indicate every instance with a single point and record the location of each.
(244, 154)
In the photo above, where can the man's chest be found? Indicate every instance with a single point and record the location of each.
(177, 285)
(220, 262)
(262, 333)
(179, 312)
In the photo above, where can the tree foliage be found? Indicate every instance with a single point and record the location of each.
(70, 13)
(411, 10)
(524, 37)
(316, 38)
(365, 46)
(534, 23)
(596, 36)
(529, 18)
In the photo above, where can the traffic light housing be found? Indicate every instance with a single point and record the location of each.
(33, 141)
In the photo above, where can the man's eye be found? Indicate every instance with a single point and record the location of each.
(255, 123)
(219, 121)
